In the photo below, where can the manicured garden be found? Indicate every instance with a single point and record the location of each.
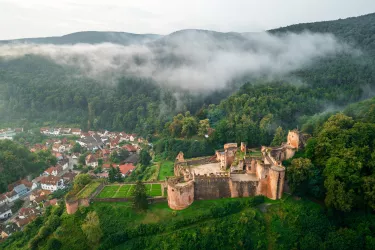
(125, 190)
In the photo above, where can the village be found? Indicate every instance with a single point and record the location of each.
(76, 152)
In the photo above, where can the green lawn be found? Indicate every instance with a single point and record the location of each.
(88, 189)
(166, 169)
(108, 191)
(125, 190)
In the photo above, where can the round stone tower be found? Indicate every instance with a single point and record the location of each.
(276, 176)
(180, 193)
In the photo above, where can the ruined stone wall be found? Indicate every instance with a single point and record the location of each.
(73, 205)
(180, 195)
(243, 147)
(293, 139)
(230, 145)
(261, 169)
(289, 153)
(211, 187)
(275, 183)
(200, 161)
(243, 188)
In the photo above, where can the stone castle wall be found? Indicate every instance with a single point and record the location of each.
(243, 188)
(211, 187)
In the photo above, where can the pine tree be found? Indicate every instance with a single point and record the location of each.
(139, 196)
(112, 174)
(118, 175)
(279, 137)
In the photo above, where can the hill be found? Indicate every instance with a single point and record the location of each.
(269, 79)
(90, 37)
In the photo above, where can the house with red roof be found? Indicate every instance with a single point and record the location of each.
(126, 169)
(130, 148)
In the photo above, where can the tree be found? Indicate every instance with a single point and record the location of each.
(369, 188)
(175, 127)
(82, 159)
(53, 244)
(298, 174)
(279, 137)
(145, 157)
(204, 126)
(118, 175)
(76, 148)
(189, 126)
(91, 228)
(81, 180)
(112, 174)
(139, 196)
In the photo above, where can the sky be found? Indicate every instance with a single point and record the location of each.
(40, 18)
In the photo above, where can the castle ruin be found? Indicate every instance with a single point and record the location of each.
(226, 175)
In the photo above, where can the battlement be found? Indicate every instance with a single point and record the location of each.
(212, 175)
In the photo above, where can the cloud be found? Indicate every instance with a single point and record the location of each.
(199, 61)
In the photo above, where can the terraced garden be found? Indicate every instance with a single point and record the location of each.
(125, 190)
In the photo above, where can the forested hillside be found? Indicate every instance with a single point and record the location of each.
(35, 91)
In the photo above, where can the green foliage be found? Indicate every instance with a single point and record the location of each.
(145, 158)
(342, 151)
(91, 228)
(77, 149)
(16, 162)
(114, 175)
(80, 181)
(279, 137)
(139, 197)
(204, 126)
(298, 174)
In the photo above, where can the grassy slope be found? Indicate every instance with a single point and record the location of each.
(166, 169)
(117, 216)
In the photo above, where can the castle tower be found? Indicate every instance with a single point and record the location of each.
(276, 176)
(243, 147)
(293, 138)
(180, 157)
(180, 194)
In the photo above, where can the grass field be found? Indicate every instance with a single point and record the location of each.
(166, 169)
(125, 191)
(88, 189)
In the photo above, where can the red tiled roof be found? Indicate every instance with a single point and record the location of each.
(90, 159)
(126, 168)
(25, 221)
(129, 148)
(50, 180)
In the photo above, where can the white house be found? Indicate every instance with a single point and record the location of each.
(5, 211)
(76, 131)
(12, 196)
(91, 161)
(52, 183)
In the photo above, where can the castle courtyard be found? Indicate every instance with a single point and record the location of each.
(206, 168)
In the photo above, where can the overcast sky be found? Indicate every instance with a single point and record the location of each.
(37, 18)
